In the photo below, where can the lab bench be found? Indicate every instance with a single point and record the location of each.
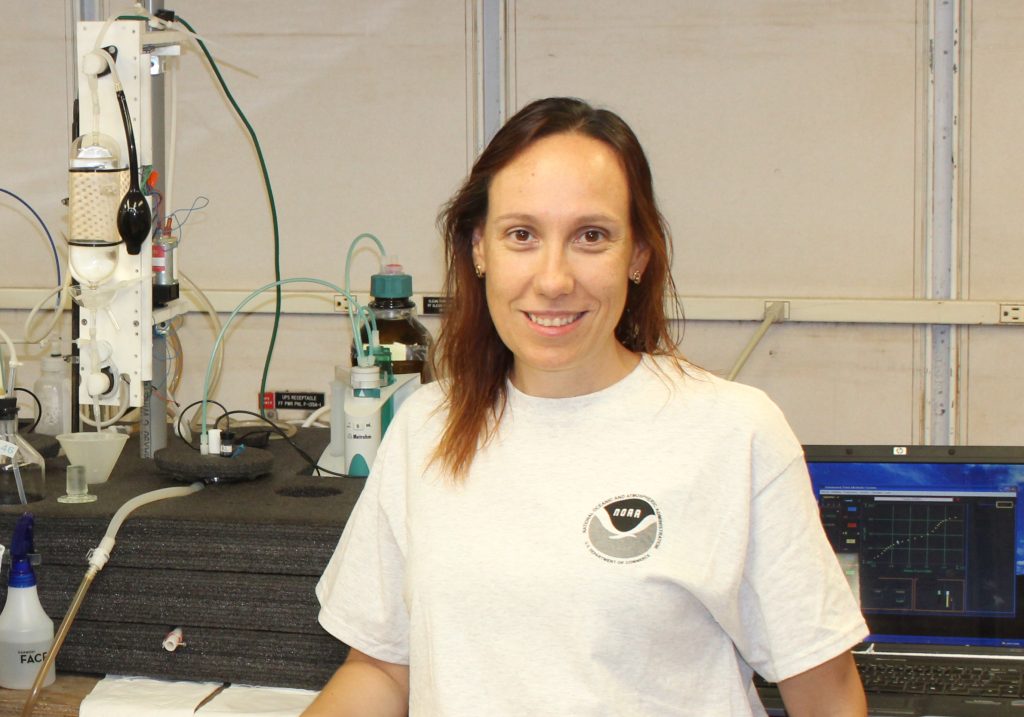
(234, 566)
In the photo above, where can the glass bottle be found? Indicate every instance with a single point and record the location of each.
(399, 330)
(22, 469)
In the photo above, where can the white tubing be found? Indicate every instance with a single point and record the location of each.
(121, 411)
(101, 553)
(315, 415)
(57, 313)
(205, 304)
(7, 382)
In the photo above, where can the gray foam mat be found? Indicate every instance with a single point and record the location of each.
(209, 654)
(235, 564)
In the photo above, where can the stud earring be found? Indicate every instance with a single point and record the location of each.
(635, 277)
(479, 271)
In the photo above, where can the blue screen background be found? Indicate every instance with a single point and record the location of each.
(926, 476)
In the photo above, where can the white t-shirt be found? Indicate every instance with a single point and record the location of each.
(635, 551)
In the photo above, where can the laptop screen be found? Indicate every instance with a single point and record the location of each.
(931, 538)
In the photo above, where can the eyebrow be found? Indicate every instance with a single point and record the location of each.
(585, 219)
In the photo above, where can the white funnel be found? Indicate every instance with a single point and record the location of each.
(98, 452)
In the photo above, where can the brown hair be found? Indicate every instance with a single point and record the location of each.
(470, 358)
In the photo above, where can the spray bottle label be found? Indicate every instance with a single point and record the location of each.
(19, 664)
(8, 449)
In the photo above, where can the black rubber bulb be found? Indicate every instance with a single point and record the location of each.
(134, 218)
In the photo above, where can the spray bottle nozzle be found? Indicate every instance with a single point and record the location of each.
(22, 555)
(22, 543)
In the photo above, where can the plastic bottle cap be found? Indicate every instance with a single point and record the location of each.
(22, 575)
(8, 408)
(391, 286)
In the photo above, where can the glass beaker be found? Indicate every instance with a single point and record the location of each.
(22, 469)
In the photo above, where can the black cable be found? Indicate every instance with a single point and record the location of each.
(277, 429)
(181, 414)
(270, 198)
(39, 408)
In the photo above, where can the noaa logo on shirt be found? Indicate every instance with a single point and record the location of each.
(624, 529)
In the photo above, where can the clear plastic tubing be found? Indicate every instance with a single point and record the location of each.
(97, 559)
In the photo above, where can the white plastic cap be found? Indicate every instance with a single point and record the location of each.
(214, 446)
(365, 377)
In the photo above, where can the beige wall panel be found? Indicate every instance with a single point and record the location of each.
(993, 175)
(835, 383)
(783, 134)
(34, 139)
(995, 396)
(994, 171)
(362, 117)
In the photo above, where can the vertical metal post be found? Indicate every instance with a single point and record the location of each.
(942, 365)
(493, 45)
(153, 419)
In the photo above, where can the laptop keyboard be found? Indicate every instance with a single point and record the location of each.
(932, 678)
(935, 677)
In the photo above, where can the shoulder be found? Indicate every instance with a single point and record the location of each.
(723, 413)
(419, 418)
(426, 401)
(698, 385)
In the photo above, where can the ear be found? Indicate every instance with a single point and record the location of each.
(478, 249)
(641, 255)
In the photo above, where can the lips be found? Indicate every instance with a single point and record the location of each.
(554, 321)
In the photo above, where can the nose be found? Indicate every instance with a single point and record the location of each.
(554, 276)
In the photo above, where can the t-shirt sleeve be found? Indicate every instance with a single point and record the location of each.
(796, 608)
(361, 590)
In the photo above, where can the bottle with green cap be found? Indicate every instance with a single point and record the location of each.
(398, 328)
(26, 631)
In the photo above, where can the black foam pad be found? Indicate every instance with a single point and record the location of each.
(186, 464)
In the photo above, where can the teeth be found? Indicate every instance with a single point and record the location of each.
(553, 320)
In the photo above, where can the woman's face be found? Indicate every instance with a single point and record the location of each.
(557, 251)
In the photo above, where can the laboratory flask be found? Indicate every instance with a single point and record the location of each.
(22, 469)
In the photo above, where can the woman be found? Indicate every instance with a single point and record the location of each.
(575, 521)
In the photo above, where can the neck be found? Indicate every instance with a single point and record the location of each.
(575, 380)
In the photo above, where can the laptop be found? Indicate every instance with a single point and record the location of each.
(931, 539)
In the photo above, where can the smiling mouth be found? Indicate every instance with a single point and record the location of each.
(554, 321)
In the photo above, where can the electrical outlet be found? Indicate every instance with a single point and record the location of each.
(1011, 313)
(341, 303)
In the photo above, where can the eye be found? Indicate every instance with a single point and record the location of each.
(591, 237)
(519, 235)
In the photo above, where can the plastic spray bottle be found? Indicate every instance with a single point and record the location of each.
(26, 632)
